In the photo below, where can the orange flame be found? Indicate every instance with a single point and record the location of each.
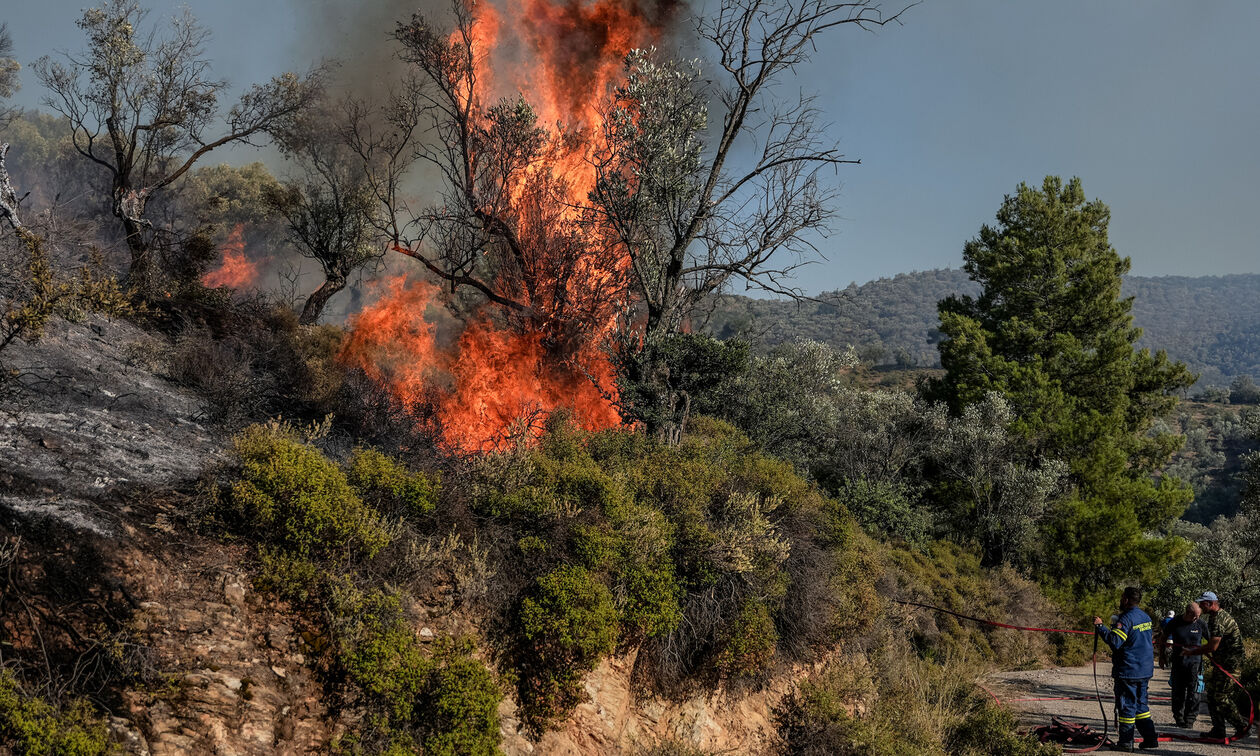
(490, 380)
(236, 271)
(508, 367)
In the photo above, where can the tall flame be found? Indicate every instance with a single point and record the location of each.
(490, 381)
(236, 271)
(564, 59)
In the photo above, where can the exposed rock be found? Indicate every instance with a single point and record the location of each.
(127, 737)
(612, 721)
(234, 593)
(82, 420)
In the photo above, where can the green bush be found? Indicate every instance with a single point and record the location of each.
(384, 482)
(632, 544)
(460, 703)
(548, 487)
(291, 578)
(816, 721)
(570, 617)
(888, 508)
(31, 726)
(567, 623)
(447, 701)
(749, 650)
(717, 558)
(379, 651)
(291, 495)
(951, 577)
(990, 730)
(650, 606)
(889, 702)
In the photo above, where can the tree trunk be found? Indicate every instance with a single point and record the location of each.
(142, 275)
(314, 306)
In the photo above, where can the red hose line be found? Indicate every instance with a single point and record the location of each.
(1163, 738)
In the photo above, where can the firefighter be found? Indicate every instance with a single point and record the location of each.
(1132, 665)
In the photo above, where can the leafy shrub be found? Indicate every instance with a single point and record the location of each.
(888, 508)
(448, 701)
(32, 726)
(250, 358)
(306, 511)
(650, 607)
(291, 578)
(951, 577)
(633, 546)
(552, 487)
(1243, 390)
(749, 649)
(716, 558)
(460, 700)
(292, 495)
(990, 730)
(379, 651)
(35, 294)
(567, 623)
(891, 702)
(384, 482)
(828, 715)
(658, 382)
(570, 617)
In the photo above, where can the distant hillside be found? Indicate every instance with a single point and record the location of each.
(1212, 323)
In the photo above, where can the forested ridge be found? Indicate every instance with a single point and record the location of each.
(1211, 323)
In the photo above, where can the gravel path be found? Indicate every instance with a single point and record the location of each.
(1079, 681)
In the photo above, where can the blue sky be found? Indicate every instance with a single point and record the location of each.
(1155, 104)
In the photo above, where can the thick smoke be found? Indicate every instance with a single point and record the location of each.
(356, 35)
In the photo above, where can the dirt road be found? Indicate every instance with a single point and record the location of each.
(1079, 681)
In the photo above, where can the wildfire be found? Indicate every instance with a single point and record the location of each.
(491, 380)
(509, 367)
(236, 271)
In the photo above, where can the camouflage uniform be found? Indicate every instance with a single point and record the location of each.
(1222, 694)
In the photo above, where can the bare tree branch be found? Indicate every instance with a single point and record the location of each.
(695, 223)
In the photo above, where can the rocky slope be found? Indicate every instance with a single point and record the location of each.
(110, 586)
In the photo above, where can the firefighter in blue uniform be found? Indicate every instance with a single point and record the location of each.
(1132, 665)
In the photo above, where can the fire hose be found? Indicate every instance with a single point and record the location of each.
(1078, 731)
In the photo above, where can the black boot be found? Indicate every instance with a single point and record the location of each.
(1150, 738)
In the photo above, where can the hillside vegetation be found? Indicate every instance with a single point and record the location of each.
(515, 501)
(1211, 323)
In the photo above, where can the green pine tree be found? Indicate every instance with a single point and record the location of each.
(1052, 334)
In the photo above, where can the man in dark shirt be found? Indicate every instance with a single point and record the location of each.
(1186, 631)
(1224, 643)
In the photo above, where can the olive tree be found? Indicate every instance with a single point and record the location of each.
(331, 208)
(1000, 496)
(144, 107)
(690, 216)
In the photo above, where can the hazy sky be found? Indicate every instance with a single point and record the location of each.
(1155, 104)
